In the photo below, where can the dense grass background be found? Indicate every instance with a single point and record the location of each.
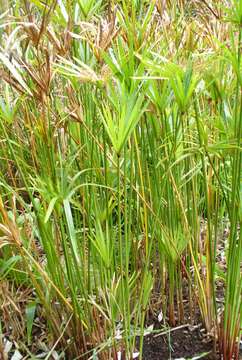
(120, 148)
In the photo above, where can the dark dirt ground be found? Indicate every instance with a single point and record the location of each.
(184, 343)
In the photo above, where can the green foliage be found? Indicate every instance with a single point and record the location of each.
(120, 149)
